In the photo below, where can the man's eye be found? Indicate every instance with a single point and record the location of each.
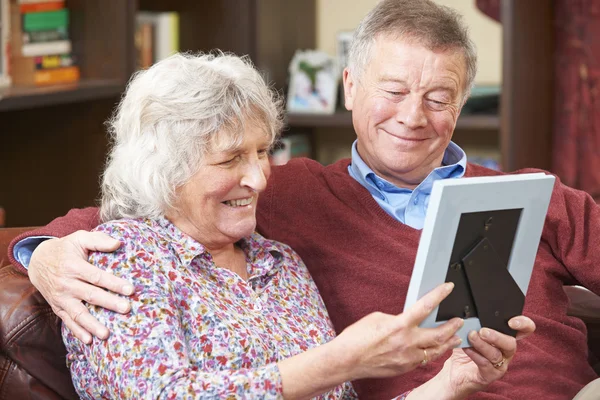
(394, 93)
(437, 105)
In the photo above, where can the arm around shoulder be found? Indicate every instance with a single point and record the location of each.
(76, 219)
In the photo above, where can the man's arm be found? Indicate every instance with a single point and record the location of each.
(572, 230)
(77, 219)
(58, 268)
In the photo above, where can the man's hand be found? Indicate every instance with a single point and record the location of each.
(60, 271)
(473, 369)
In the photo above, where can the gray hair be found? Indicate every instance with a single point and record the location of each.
(432, 25)
(169, 118)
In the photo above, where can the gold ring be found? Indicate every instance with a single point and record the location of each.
(425, 360)
(500, 363)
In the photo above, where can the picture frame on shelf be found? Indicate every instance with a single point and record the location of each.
(314, 77)
(343, 42)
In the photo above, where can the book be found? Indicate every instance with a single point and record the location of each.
(54, 76)
(29, 65)
(144, 45)
(46, 48)
(165, 32)
(41, 6)
(45, 36)
(34, 1)
(41, 21)
(5, 79)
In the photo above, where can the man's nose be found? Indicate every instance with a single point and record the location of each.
(411, 113)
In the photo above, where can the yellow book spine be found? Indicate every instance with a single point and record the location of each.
(57, 75)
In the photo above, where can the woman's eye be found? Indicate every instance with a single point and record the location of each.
(230, 161)
(263, 153)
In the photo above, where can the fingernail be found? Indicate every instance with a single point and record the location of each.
(127, 289)
(456, 342)
(485, 333)
(102, 334)
(514, 323)
(87, 339)
(449, 287)
(123, 307)
(472, 335)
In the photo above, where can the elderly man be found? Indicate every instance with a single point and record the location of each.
(357, 223)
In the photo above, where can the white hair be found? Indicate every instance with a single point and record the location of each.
(170, 116)
(424, 22)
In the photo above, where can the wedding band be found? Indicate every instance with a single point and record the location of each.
(500, 364)
(425, 360)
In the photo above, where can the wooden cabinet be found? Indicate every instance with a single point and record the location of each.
(53, 140)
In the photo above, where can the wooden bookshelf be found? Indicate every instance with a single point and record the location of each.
(53, 140)
(22, 98)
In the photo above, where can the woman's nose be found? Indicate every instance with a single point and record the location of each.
(254, 175)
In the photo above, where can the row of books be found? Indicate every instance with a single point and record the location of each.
(35, 45)
(40, 47)
(156, 37)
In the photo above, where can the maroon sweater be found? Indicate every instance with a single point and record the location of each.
(362, 260)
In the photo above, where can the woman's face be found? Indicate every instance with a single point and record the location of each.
(217, 207)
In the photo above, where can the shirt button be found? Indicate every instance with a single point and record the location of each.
(258, 305)
(416, 200)
(380, 185)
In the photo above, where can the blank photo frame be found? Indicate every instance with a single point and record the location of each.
(481, 233)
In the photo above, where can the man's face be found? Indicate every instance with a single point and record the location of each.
(404, 108)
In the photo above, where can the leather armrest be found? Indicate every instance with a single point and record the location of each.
(30, 338)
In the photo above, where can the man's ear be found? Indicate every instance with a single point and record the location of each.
(349, 89)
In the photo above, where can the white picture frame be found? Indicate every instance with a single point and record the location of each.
(314, 78)
(451, 198)
(343, 42)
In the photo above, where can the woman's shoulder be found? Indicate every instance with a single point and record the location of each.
(139, 237)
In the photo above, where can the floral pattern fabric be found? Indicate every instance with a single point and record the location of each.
(196, 330)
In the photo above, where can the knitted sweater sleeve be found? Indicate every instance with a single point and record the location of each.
(572, 230)
(76, 219)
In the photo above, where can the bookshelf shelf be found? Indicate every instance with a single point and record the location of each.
(343, 119)
(19, 98)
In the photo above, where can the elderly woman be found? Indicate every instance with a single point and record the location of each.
(219, 311)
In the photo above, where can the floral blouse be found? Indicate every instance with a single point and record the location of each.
(196, 330)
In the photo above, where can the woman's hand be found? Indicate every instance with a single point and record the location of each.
(472, 369)
(382, 345)
(60, 271)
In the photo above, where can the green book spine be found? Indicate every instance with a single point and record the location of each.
(40, 21)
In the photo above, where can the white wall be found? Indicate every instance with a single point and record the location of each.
(337, 15)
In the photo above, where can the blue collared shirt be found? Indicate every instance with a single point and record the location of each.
(406, 205)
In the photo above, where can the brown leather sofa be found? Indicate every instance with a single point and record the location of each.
(32, 355)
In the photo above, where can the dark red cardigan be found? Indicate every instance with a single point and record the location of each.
(362, 259)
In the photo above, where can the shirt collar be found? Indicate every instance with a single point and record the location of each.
(453, 164)
(262, 253)
(186, 247)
